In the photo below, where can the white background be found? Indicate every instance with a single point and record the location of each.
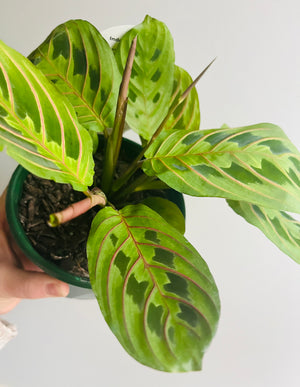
(256, 78)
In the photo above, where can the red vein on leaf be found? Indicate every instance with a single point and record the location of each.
(188, 279)
(112, 260)
(271, 182)
(283, 240)
(70, 53)
(177, 254)
(182, 300)
(123, 301)
(148, 342)
(198, 174)
(166, 336)
(229, 177)
(104, 238)
(190, 329)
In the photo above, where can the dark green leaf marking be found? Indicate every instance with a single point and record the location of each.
(155, 77)
(276, 147)
(152, 236)
(121, 262)
(244, 139)
(258, 211)
(131, 95)
(156, 55)
(171, 333)
(241, 174)
(177, 285)
(188, 314)
(270, 171)
(137, 291)
(154, 319)
(156, 97)
(94, 79)
(192, 138)
(61, 45)
(206, 171)
(114, 239)
(80, 64)
(294, 177)
(3, 86)
(217, 137)
(3, 112)
(164, 256)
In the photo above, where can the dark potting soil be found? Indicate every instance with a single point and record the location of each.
(66, 244)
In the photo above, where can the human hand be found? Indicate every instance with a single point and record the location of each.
(19, 277)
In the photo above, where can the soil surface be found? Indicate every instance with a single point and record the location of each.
(65, 244)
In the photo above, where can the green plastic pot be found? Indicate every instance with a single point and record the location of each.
(79, 287)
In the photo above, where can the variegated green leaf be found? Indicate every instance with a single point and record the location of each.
(255, 163)
(278, 226)
(155, 291)
(38, 126)
(152, 75)
(187, 114)
(81, 64)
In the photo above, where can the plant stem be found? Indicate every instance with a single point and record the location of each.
(95, 197)
(141, 183)
(114, 141)
(136, 164)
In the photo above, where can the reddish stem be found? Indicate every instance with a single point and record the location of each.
(77, 209)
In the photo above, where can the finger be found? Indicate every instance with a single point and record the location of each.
(18, 283)
(7, 304)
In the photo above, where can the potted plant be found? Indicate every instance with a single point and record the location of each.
(65, 109)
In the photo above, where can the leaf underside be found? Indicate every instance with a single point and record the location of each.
(155, 291)
(39, 127)
(151, 83)
(79, 61)
(282, 229)
(256, 163)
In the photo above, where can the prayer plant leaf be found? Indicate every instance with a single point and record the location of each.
(38, 126)
(187, 115)
(167, 210)
(278, 226)
(154, 290)
(255, 163)
(151, 83)
(79, 61)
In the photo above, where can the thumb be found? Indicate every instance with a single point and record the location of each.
(19, 283)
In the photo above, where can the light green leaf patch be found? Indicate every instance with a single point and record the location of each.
(154, 290)
(39, 127)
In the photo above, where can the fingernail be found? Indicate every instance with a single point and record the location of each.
(56, 290)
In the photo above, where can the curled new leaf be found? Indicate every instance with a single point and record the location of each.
(255, 163)
(81, 64)
(39, 127)
(155, 291)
